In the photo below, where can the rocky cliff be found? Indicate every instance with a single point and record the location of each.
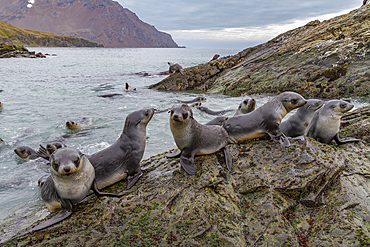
(10, 34)
(321, 59)
(309, 194)
(101, 21)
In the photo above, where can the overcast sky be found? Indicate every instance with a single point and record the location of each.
(232, 23)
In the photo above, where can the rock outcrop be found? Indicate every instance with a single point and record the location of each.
(10, 34)
(8, 51)
(101, 21)
(309, 194)
(321, 59)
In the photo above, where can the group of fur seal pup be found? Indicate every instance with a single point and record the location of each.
(75, 175)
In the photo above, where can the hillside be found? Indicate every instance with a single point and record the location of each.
(101, 21)
(321, 59)
(10, 34)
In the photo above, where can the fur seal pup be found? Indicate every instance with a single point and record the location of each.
(175, 67)
(197, 99)
(122, 158)
(72, 177)
(26, 153)
(325, 125)
(199, 106)
(248, 105)
(193, 138)
(1, 106)
(297, 124)
(265, 120)
(83, 124)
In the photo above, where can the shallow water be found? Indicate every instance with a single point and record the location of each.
(40, 95)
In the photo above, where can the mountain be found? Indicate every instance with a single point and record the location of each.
(10, 34)
(325, 59)
(101, 21)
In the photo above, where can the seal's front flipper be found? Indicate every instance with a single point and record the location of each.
(43, 153)
(177, 154)
(62, 215)
(339, 141)
(131, 180)
(228, 159)
(94, 187)
(280, 138)
(188, 165)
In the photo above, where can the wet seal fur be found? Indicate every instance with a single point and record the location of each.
(265, 120)
(84, 123)
(26, 153)
(122, 158)
(175, 68)
(297, 124)
(248, 105)
(72, 177)
(199, 106)
(197, 99)
(325, 125)
(193, 138)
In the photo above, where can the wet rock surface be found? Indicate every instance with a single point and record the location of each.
(8, 51)
(309, 194)
(321, 59)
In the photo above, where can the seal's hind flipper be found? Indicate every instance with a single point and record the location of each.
(43, 153)
(62, 215)
(94, 187)
(131, 180)
(280, 138)
(188, 165)
(339, 141)
(176, 154)
(228, 158)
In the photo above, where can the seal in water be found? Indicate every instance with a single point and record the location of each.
(297, 124)
(72, 177)
(325, 125)
(122, 158)
(265, 120)
(49, 150)
(199, 106)
(175, 68)
(83, 124)
(193, 138)
(248, 105)
(109, 95)
(26, 153)
(199, 98)
(1, 106)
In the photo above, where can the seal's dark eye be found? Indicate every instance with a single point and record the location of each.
(294, 101)
(77, 162)
(55, 165)
(185, 115)
(343, 105)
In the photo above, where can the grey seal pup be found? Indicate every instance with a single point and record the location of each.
(85, 122)
(325, 125)
(175, 67)
(248, 105)
(193, 138)
(297, 124)
(199, 106)
(72, 177)
(265, 120)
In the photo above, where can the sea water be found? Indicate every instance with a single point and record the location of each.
(40, 95)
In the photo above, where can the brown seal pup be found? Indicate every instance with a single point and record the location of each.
(26, 153)
(83, 124)
(72, 177)
(265, 120)
(122, 158)
(193, 138)
(175, 68)
(199, 106)
(297, 124)
(325, 125)
(197, 99)
(248, 105)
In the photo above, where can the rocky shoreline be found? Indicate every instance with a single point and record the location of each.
(9, 51)
(309, 194)
(325, 59)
